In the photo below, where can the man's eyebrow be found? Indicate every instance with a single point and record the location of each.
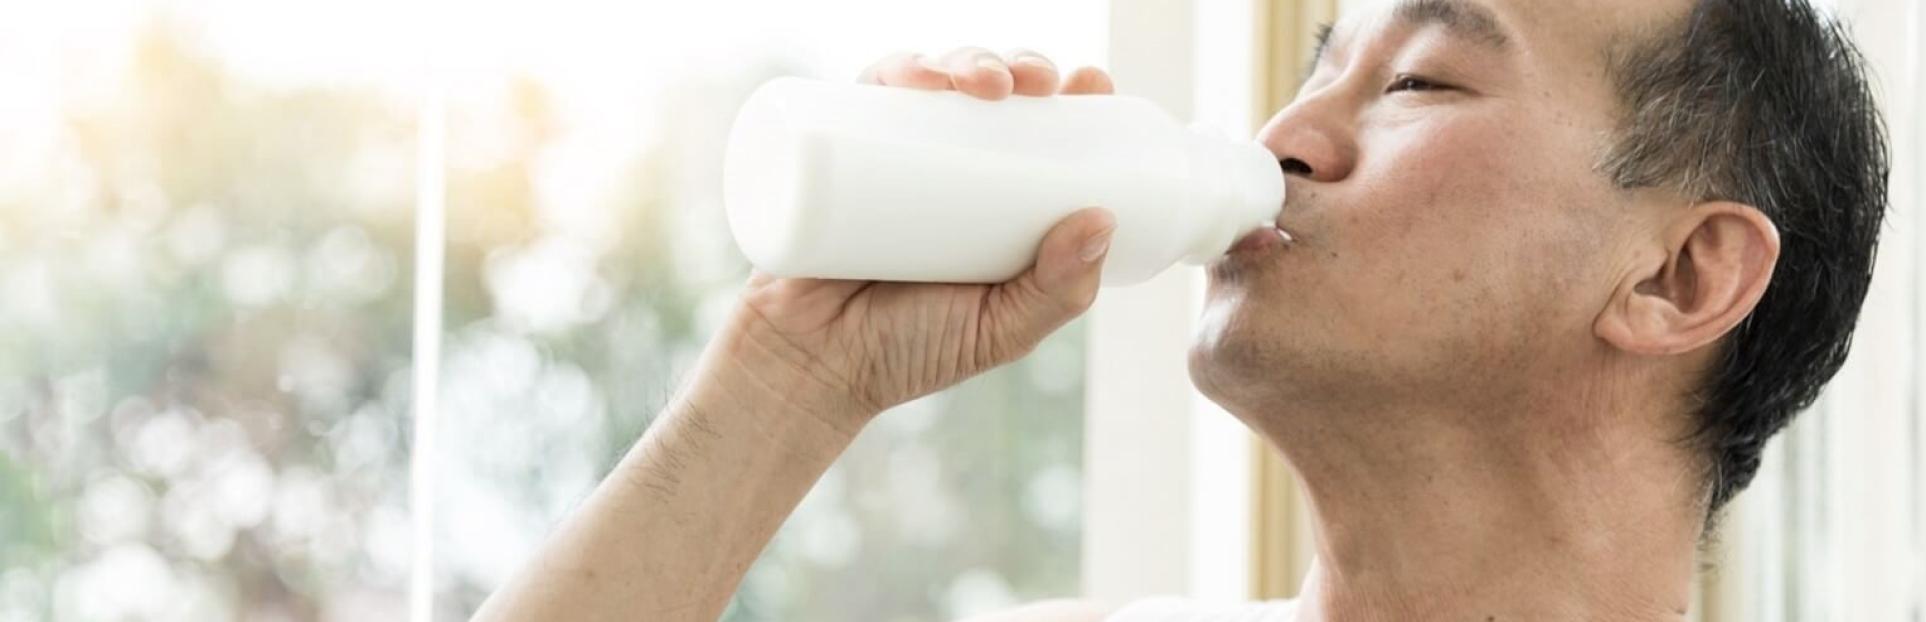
(1459, 17)
(1323, 43)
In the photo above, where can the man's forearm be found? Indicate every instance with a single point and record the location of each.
(669, 534)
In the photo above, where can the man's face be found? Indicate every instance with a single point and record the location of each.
(1455, 238)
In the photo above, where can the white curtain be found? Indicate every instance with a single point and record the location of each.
(1832, 528)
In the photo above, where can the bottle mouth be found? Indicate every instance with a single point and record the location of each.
(1247, 196)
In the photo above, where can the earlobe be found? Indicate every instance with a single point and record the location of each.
(1717, 260)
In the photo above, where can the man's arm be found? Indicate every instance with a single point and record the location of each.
(800, 368)
(670, 532)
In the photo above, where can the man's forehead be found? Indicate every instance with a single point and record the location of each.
(1462, 19)
(1581, 26)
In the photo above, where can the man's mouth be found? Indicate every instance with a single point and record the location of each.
(1262, 240)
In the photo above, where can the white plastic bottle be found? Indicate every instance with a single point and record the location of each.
(855, 181)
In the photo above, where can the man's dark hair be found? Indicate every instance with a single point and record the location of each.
(1766, 103)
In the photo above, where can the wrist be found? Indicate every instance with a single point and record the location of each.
(746, 369)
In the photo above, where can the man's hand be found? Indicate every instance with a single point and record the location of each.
(850, 349)
(784, 388)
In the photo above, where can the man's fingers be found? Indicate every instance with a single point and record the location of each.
(1072, 251)
(979, 72)
(907, 69)
(1035, 75)
(984, 74)
(1060, 286)
(1088, 81)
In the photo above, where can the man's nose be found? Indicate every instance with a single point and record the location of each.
(1313, 139)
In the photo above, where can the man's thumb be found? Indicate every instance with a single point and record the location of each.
(1060, 286)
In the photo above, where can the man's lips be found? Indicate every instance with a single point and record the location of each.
(1260, 240)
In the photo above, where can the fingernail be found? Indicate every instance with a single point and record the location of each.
(991, 64)
(930, 64)
(1095, 247)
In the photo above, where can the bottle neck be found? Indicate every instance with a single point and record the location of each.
(1239, 188)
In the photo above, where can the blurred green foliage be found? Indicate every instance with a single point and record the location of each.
(205, 317)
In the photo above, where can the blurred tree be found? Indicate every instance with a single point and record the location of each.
(208, 424)
(204, 349)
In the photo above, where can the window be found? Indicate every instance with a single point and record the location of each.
(204, 308)
(207, 225)
(1834, 528)
(589, 258)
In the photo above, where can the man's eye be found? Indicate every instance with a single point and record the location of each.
(1407, 82)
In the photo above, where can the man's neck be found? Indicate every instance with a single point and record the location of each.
(1442, 518)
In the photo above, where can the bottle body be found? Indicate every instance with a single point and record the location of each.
(869, 182)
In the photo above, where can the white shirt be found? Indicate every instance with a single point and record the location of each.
(1173, 609)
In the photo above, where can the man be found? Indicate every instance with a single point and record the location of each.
(1559, 270)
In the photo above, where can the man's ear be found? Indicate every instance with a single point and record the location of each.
(1705, 273)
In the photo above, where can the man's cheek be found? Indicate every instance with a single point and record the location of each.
(1427, 194)
(1401, 267)
(1399, 236)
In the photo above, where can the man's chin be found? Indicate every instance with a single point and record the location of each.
(1225, 339)
(1247, 335)
(1229, 368)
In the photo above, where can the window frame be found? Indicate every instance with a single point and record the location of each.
(1192, 504)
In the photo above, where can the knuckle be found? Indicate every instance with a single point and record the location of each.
(1006, 348)
(1074, 304)
(928, 63)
